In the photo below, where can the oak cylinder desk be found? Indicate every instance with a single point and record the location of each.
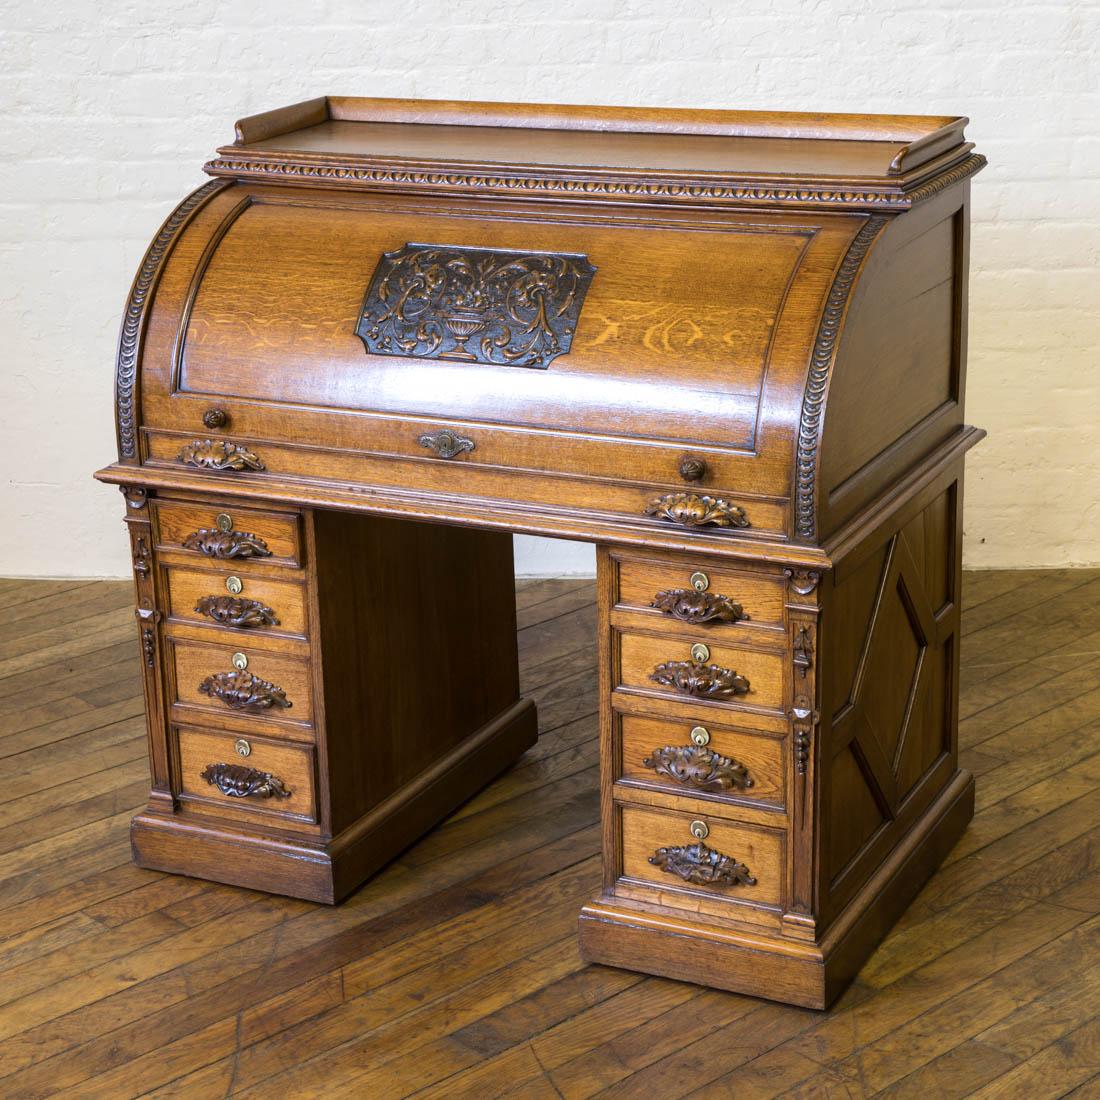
(726, 347)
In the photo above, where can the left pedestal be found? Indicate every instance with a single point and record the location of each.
(314, 701)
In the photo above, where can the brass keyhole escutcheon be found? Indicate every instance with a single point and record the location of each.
(701, 736)
(242, 746)
(700, 582)
(699, 830)
(224, 521)
(240, 661)
(700, 652)
(233, 584)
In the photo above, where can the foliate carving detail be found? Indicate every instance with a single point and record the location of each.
(237, 781)
(692, 510)
(802, 581)
(802, 651)
(234, 611)
(691, 606)
(216, 454)
(243, 691)
(702, 866)
(584, 187)
(699, 767)
(129, 340)
(475, 305)
(701, 680)
(226, 544)
(141, 557)
(817, 378)
(445, 443)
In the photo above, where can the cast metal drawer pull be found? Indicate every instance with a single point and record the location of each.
(226, 544)
(243, 691)
(237, 781)
(692, 510)
(230, 611)
(699, 768)
(216, 454)
(689, 605)
(445, 443)
(702, 866)
(704, 681)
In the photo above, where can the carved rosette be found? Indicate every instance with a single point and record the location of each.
(692, 510)
(701, 680)
(226, 544)
(237, 781)
(476, 305)
(216, 454)
(702, 866)
(691, 606)
(236, 611)
(699, 768)
(243, 691)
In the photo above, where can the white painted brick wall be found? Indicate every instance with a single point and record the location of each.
(110, 107)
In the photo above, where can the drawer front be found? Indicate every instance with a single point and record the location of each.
(736, 604)
(643, 656)
(487, 477)
(271, 687)
(247, 774)
(229, 533)
(711, 761)
(727, 861)
(250, 604)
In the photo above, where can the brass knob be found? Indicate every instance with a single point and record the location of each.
(215, 418)
(700, 652)
(240, 662)
(242, 746)
(699, 830)
(700, 582)
(692, 468)
(234, 585)
(701, 736)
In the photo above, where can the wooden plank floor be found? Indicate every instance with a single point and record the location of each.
(455, 972)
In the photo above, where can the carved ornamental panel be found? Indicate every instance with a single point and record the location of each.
(476, 305)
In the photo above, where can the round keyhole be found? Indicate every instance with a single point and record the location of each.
(701, 736)
(240, 661)
(700, 652)
(224, 521)
(699, 830)
(233, 584)
(700, 582)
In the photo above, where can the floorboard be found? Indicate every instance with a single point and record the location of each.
(455, 972)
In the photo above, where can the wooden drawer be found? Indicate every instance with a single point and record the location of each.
(260, 606)
(194, 664)
(727, 765)
(212, 764)
(228, 532)
(641, 654)
(711, 599)
(732, 862)
(489, 475)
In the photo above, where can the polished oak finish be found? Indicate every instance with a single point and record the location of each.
(727, 347)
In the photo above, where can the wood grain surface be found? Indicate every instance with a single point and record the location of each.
(455, 972)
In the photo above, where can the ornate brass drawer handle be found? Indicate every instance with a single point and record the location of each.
(700, 768)
(232, 611)
(445, 443)
(692, 510)
(237, 781)
(696, 678)
(226, 544)
(702, 866)
(243, 691)
(216, 454)
(691, 606)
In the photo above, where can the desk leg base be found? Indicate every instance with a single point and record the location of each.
(674, 944)
(185, 844)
